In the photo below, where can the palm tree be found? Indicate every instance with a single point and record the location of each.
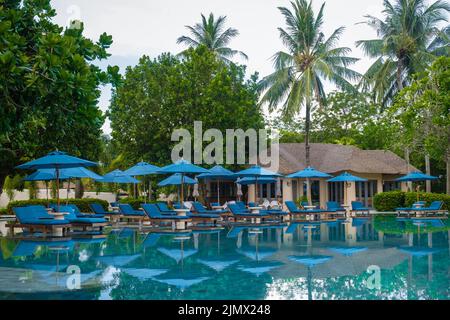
(212, 34)
(409, 40)
(311, 59)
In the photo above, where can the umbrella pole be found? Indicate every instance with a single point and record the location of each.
(57, 188)
(46, 191)
(68, 189)
(182, 191)
(218, 192)
(256, 189)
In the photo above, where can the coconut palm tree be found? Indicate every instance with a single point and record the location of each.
(409, 40)
(212, 34)
(310, 59)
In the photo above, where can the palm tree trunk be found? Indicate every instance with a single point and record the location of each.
(399, 74)
(307, 148)
(307, 128)
(428, 172)
(448, 170)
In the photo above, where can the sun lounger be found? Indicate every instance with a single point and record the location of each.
(201, 217)
(36, 218)
(83, 222)
(156, 217)
(358, 209)
(434, 208)
(201, 209)
(98, 209)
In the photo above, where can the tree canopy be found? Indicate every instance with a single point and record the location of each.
(160, 95)
(49, 84)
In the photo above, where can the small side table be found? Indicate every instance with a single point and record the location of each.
(181, 225)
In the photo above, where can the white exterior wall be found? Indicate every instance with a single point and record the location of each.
(24, 195)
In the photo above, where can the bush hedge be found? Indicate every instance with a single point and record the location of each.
(388, 201)
(82, 204)
(135, 203)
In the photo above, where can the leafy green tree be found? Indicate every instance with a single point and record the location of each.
(49, 84)
(160, 95)
(311, 59)
(422, 111)
(213, 34)
(409, 40)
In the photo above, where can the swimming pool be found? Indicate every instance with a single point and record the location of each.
(360, 259)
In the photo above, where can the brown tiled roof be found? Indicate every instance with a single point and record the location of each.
(332, 158)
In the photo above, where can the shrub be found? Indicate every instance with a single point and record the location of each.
(3, 211)
(388, 201)
(135, 203)
(411, 197)
(82, 204)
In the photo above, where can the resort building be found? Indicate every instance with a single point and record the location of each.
(380, 167)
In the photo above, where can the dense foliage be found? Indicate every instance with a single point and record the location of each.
(388, 201)
(160, 95)
(82, 204)
(49, 85)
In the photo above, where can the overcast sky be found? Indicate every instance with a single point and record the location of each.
(151, 27)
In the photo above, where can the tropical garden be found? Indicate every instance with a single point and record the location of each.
(50, 83)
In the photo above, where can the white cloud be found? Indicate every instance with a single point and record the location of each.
(152, 27)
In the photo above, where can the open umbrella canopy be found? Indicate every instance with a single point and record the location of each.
(118, 176)
(347, 177)
(57, 159)
(309, 172)
(416, 176)
(310, 261)
(250, 180)
(257, 171)
(347, 251)
(182, 166)
(218, 172)
(176, 180)
(141, 169)
(419, 251)
(64, 174)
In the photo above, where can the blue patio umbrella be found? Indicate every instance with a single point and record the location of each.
(416, 177)
(256, 172)
(142, 169)
(181, 281)
(64, 174)
(217, 264)
(183, 167)
(144, 274)
(118, 261)
(257, 254)
(310, 261)
(419, 251)
(118, 176)
(259, 268)
(309, 173)
(218, 173)
(57, 160)
(249, 180)
(347, 251)
(176, 180)
(177, 254)
(346, 178)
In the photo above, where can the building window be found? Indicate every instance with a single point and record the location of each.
(365, 192)
(336, 192)
(391, 186)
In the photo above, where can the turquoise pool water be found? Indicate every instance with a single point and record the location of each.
(360, 259)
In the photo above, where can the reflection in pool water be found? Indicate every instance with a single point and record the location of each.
(290, 261)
